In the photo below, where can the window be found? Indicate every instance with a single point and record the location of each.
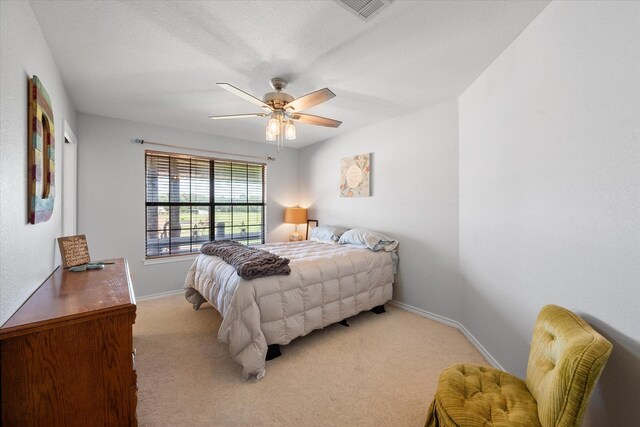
(193, 200)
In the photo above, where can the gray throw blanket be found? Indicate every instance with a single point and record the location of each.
(250, 263)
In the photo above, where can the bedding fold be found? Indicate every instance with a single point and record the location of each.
(250, 263)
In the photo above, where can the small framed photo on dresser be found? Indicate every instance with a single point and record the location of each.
(311, 224)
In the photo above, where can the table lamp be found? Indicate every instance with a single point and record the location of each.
(295, 216)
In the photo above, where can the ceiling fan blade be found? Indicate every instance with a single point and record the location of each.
(310, 99)
(316, 120)
(244, 95)
(239, 116)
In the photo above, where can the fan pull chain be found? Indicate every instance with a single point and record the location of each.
(280, 139)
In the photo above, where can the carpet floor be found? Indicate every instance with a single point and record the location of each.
(382, 370)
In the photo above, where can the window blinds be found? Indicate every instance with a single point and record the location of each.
(193, 200)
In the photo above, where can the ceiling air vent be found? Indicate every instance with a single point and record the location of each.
(364, 9)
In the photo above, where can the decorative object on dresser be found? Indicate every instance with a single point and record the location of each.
(295, 216)
(73, 250)
(66, 356)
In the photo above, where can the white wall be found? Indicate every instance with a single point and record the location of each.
(111, 187)
(28, 253)
(550, 191)
(414, 182)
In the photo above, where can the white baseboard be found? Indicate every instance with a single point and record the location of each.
(446, 321)
(160, 295)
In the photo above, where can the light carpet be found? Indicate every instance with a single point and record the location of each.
(382, 370)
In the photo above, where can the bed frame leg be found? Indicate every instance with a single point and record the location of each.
(273, 351)
(343, 322)
(195, 298)
(379, 309)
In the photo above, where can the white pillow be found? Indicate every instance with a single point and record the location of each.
(315, 239)
(324, 233)
(372, 239)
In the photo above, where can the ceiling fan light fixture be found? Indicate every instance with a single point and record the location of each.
(290, 131)
(282, 109)
(268, 135)
(274, 126)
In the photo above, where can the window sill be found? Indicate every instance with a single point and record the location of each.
(168, 259)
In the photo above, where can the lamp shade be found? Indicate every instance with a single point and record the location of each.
(295, 215)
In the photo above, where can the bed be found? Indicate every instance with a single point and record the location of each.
(328, 283)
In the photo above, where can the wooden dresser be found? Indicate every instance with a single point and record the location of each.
(66, 356)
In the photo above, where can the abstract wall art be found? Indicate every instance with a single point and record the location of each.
(41, 155)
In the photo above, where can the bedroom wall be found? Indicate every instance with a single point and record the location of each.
(28, 253)
(111, 191)
(550, 191)
(414, 182)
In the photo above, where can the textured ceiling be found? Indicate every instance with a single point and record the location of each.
(159, 61)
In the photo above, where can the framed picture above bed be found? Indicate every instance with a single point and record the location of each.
(354, 176)
(311, 224)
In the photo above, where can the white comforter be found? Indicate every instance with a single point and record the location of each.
(328, 283)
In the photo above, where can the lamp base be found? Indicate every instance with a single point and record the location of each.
(295, 237)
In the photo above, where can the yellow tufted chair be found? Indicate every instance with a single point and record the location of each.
(565, 361)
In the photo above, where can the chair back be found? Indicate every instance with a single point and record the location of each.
(566, 359)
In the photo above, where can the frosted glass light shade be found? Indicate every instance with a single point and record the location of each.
(269, 136)
(274, 126)
(290, 131)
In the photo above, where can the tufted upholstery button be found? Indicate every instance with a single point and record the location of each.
(481, 396)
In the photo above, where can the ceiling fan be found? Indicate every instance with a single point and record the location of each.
(282, 109)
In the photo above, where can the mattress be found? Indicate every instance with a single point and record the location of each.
(328, 283)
